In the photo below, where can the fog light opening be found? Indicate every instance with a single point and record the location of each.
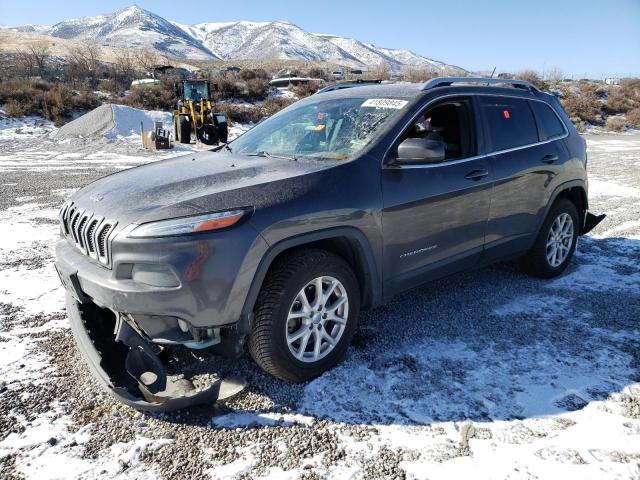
(154, 275)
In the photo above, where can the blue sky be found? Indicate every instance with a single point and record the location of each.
(582, 37)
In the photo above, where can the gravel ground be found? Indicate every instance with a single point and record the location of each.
(491, 374)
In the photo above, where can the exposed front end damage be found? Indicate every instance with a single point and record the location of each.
(138, 372)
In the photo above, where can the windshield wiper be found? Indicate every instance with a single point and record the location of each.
(220, 147)
(263, 153)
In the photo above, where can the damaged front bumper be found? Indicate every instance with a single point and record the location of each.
(131, 368)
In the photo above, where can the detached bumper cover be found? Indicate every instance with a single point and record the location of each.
(591, 221)
(128, 367)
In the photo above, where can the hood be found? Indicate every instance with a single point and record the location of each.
(191, 184)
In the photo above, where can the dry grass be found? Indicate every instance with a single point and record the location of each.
(615, 124)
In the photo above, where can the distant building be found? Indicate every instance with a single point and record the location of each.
(612, 81)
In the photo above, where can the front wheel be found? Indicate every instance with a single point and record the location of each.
(554, 247)
(305, 316)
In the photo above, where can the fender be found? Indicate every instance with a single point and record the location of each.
(559, 189)
(372, 275)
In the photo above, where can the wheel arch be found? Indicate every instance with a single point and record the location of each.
(347, 242)
(574, 191)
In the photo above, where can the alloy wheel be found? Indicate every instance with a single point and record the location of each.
(317, 319)
(560, 240)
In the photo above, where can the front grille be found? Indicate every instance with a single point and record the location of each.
(89, 233)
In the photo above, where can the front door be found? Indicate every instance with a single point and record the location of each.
(435, 215)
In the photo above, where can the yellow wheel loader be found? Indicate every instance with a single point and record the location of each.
(194, 114)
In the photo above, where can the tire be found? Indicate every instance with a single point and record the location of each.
(537, 261)
(183, 130)
(208, 134)
(280, 297)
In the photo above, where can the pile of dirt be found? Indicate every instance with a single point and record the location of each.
(113, 122)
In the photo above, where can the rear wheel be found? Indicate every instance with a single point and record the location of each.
(553, 250)
(305, 316)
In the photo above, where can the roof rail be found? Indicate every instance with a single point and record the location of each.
(447, 81)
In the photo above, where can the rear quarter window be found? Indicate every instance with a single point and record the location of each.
(548, 122)
(510, 122)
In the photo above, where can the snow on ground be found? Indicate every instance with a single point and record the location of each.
(488, 374)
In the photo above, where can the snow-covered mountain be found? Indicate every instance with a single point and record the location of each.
(133, 27)
(136, 27)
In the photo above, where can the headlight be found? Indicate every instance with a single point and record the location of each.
(185, 225)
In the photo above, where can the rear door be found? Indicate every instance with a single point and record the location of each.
(434, 216)
(524, 166)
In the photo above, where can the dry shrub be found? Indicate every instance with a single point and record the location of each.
(317, 72)
(253, 113)
(583, 105)
(533, 77)
(624, 98)
(257, 88)
(110, 85)
(305, 89)
(14, 108)
(418, 75)
(273, 105)
(241, 113)
(633, 117)
(55, 102)
(160, 97)
(615, 124)
(250, 74)
(229, 88)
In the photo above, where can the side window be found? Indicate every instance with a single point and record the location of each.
(510, 122)
(548, 122)
(449, 122)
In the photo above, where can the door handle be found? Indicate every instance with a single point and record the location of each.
(476, 174)
(550, 158)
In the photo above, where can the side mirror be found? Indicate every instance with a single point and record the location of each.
(420, 150)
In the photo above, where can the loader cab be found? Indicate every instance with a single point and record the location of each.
(193, 90)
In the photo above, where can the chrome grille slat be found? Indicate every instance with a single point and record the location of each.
(88, 233)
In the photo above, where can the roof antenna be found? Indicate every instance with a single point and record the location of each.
(492, 73)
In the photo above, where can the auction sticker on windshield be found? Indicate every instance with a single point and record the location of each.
(384, 103)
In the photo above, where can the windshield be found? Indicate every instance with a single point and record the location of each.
(196, 91)
(332, 129)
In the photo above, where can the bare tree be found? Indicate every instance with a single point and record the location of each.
(554, 74)
(382, 71)
(146, 58)
(125, 64)
(92, 55)
(25, 62)
(39, 52)
(418, 75)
